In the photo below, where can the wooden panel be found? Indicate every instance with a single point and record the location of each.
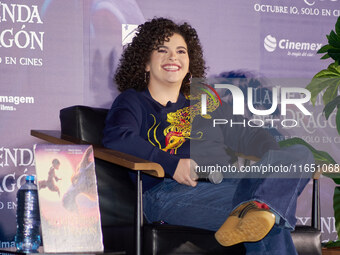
(331, 251)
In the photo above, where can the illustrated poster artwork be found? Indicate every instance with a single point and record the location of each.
(68, 198)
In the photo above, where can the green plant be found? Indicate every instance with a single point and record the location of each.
(322, 158)
(328, 80)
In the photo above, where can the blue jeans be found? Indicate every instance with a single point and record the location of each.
(208, 205)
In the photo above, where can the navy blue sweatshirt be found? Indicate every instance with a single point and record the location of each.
(138, 125)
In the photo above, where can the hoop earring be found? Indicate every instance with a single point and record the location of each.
(189, 78)
(146, 77)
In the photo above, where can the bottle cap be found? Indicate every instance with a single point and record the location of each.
(29, 178)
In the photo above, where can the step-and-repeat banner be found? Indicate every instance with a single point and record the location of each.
(58, 53)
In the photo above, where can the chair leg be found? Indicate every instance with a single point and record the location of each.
(139, 222)
(316, 204)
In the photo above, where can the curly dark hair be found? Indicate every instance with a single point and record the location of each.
(131, 69)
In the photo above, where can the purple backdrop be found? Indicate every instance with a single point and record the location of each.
(61, 53)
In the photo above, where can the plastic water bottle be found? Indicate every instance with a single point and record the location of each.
(27, 238)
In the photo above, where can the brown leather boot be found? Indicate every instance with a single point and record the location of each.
(247, 223)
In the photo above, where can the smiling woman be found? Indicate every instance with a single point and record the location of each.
(153, 119)
(168, 66)
(131, 72)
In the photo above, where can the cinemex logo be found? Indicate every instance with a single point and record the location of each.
(271, 44)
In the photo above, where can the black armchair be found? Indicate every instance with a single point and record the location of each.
(120, 209)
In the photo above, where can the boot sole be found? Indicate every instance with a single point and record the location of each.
(253, 227)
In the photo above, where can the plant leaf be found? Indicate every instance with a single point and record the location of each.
(332, 90)
(325, 48)
(321, 157)
(334, 68)
(334, 50)
(334, 40)
(337, 26)
(329, 108)
(324, 79)
(316, 86)
(332, 71)
(326, 56)
(334, 56)
(331, 244)
(333, 177)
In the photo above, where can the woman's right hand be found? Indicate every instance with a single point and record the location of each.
(185, 172)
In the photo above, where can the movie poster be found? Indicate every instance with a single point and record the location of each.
(68, 198)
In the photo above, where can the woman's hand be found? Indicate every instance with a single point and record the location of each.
(185, 172)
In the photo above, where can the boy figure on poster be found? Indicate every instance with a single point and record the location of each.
(50, 183)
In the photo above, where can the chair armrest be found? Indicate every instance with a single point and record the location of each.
(100, 152)
(328, 170)
(248, 157)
